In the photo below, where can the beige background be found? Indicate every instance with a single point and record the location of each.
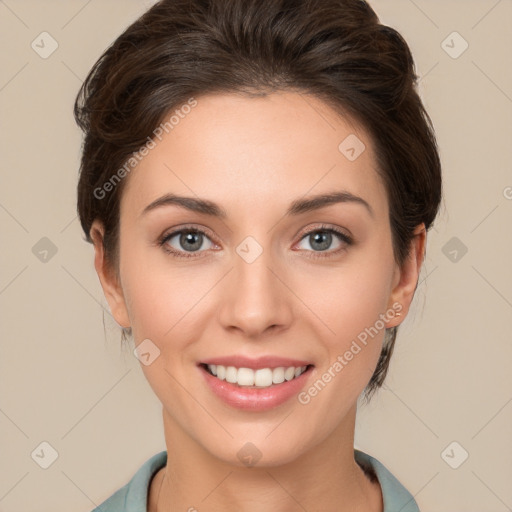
(64, 379)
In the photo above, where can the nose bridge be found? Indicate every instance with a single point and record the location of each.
(256, 298)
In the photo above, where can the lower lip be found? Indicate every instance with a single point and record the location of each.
(255, 399)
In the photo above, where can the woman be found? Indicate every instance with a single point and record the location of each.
(258, 178)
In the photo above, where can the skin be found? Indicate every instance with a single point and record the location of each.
(254, 156)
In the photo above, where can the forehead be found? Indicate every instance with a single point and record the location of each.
(253, 151)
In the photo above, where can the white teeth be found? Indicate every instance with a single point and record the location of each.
(245, 377)
(289, 374)
(263, 377)
(231, 374)
(221, 371)
(278, 375)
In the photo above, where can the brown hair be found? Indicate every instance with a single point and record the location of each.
(335, 50)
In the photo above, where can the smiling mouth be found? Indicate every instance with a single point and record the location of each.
(259, 378)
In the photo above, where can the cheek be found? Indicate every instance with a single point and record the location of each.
(168, 303)
(157, 301)
(161, 308)
(153, 293)
(351, 297)
(351, 301)
(356, 303)
(351, 305)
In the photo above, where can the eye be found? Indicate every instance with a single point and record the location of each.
(321, 238)
(185, 243)
(189, 242)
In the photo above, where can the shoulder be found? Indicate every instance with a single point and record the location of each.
(133, 496)
(394, 494)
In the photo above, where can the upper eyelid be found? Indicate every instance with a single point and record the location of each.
(173, 232)
(325, 227)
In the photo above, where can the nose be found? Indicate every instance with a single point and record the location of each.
(255, 298)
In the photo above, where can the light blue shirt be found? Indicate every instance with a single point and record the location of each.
(133, 496)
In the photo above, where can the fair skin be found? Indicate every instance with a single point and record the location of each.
(254, 157)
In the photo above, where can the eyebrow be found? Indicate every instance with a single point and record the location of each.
(297, 207)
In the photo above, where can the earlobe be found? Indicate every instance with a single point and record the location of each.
(406, 279)
(108, 279)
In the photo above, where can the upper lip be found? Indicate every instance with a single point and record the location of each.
(239, 361)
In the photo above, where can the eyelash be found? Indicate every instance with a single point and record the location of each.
(343, 237)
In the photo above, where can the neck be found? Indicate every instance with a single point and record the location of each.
(325, 478)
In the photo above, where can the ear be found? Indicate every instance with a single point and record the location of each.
(406, 277)
(108, 277)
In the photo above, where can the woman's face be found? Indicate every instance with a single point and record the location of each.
(266, 285)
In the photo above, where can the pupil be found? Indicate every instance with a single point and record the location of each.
(326, 240)
(189, 238)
